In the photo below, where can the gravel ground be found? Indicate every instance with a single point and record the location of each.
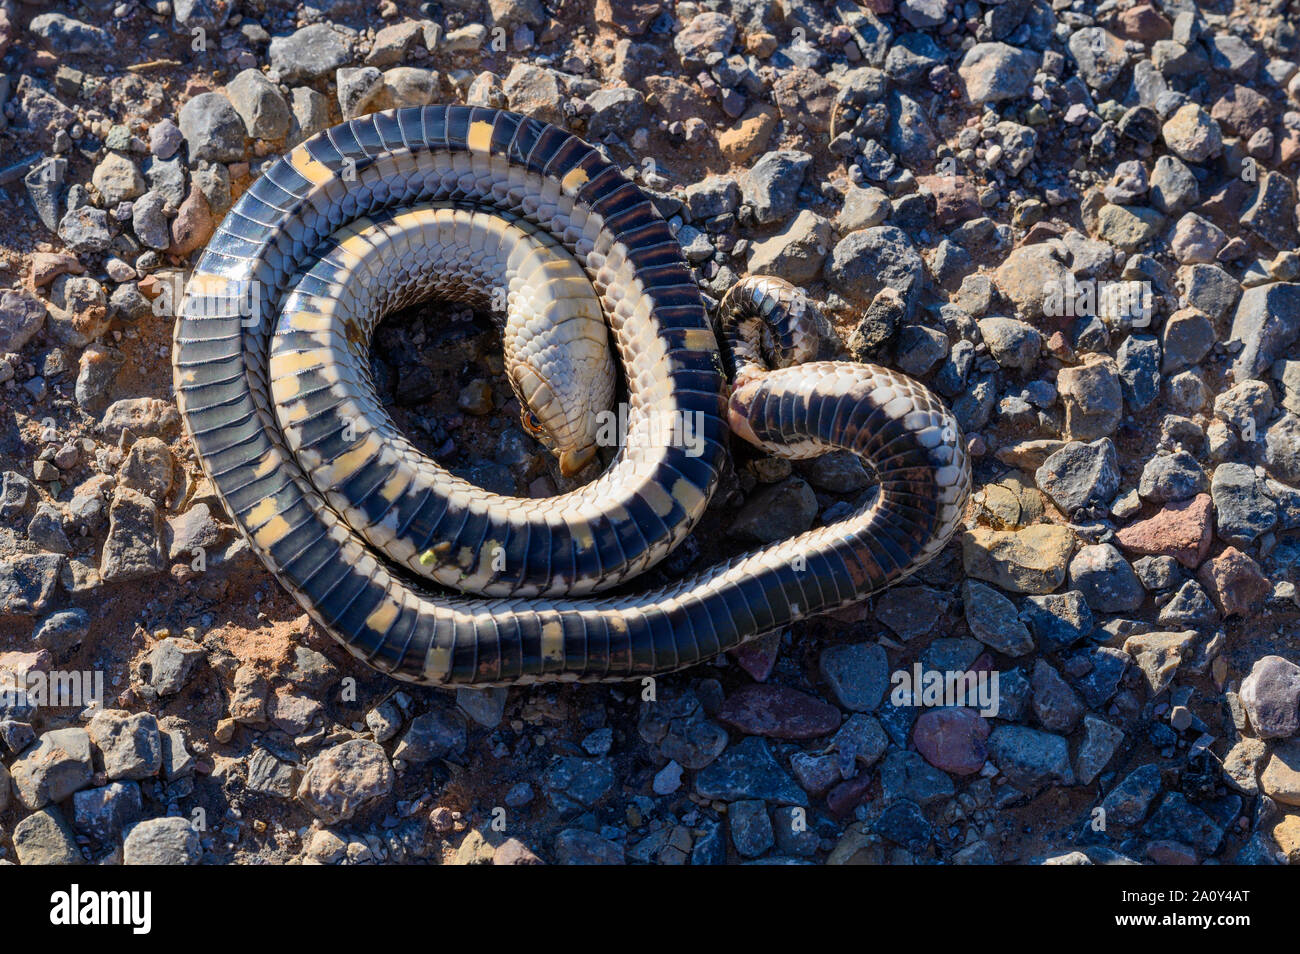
(1075, 220)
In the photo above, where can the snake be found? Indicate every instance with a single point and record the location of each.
(436, 581)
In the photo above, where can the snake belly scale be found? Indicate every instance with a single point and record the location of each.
(436, 581)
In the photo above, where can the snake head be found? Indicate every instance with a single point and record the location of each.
(565, 421)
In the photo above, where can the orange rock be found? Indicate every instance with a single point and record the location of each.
(47, 266)
(193, 224)
(1181, 530)
(1235, 583)
(750, 135)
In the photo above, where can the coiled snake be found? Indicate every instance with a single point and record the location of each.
(272, 381)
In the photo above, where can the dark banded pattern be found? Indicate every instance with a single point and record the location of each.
(263, 316)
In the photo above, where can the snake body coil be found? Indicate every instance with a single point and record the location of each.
(271, 378)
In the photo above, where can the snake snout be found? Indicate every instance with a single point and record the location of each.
(573, 461)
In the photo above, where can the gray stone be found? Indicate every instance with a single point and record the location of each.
(1169, 478)
(1057, 705)
(162, 841)
(747, 770)
(1099, 55)
(857, 674)
(308, 54)
(212, 128)
(1097, 748)
(43, 838)
(993, 620)
(260, 104)
(1013, 344)
(1128, 802)
(1057, 620)
(172, 662)
(1242, 510)
(104, 813)
(864, 262)
(993, 72)
(129, 744)
(771, 184)
(438, 734)
(58, 765)
(85, 230)
(1030, 758)
(1271, 697)
(133, 549)
(68, 37)
(1106, 579)
(1080, 475)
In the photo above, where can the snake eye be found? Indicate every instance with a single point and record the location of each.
(532, 422)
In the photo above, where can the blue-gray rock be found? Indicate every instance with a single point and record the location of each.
(213, 129)
(308, 54)
(1080, 475)
(68, 37)
(1242, 510)
(437, 734)
(62, 632)
(1169, 478)
(1106, 579)
(575, 846)
(1057, 620)
(1267, 320)
(747, 770)
(1179, 819)
(772, 183)
(104, 813)
(1128, 802)
(865, 261)
(1056, 705)
(857, 675)
(1030, 758)
(575, 783)
(1138, 360)
(905, 775)
(1098, 673)
(1096, 749)
(44, 182)
(751, 828)
(993, 620)
(85, 230)
(903, 823)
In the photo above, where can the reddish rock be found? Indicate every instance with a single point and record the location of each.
(1171, 853)
(880, 7)
(193, 225)
(758, 657)
(1243, 111)
(846, 796)
(1181, 530)
(779, 713)
(952, 739)
(629, 17)
(47, 266)
(955, 198)
(1144, 23)
(1235, 583)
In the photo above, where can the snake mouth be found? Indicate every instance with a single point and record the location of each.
(572, 461)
